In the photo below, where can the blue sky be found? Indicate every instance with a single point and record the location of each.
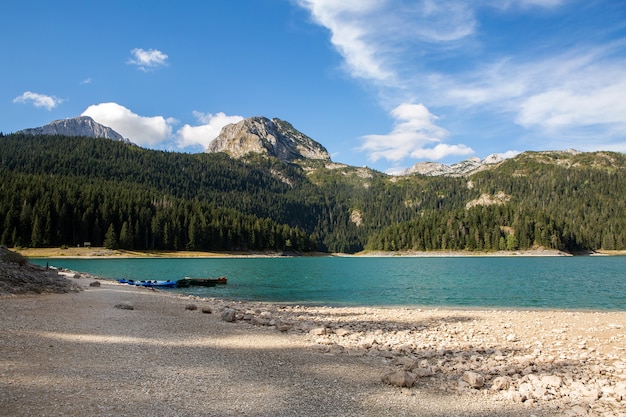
(382, 83)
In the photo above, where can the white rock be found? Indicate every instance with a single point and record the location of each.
(318, 331)
(620, 391)
(501, 383)
(577, 410)
(551, 381)
(342, 332)
(474, 379)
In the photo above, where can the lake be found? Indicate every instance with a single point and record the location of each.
(586, 282)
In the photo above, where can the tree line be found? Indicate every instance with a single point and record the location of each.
(60, 190)
(574, 209)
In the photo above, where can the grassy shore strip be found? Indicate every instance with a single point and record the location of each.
(97, 252)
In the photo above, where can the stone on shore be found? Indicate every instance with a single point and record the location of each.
(474, 379)
(501, 383)
(399, 379)
(229, 315)
(423, 372)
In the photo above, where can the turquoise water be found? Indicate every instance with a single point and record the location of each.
(597, 283)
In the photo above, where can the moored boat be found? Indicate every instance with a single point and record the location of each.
(149, 283)
(201, 282)
(154, 283)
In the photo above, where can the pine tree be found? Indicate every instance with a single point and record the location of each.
(110, 239)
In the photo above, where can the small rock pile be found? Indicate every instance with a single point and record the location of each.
(469, 353)
(17, 276)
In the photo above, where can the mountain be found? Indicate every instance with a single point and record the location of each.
(269, 137)
(59, 190)
(76, 126)
(463, 168)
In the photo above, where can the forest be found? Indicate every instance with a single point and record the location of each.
(59, 190)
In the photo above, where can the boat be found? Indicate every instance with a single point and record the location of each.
(149, 283)
(154, 283)
(201, 282)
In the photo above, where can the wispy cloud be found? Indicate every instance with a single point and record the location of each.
(371, 35)
(86, 81)
(574, 97)
(38, 100)
(439, 54)
(211, 126)
(142, 130)
(374, 37)
(147, 60)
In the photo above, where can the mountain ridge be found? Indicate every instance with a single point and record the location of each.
(59, 190)
(279, 139)
(458, 169)
(76, 126)
(273, 137)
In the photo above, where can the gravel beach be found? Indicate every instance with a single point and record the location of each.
(89, 353)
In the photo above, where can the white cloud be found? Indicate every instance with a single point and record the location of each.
(441, 151)
(567, 108)
(415, 134)
(575, 96)
(346, 21)
(147, 60)
(211, 126)
(508, 154)
(38, 100)
(439, 53)
(145, 131)
(370, 35)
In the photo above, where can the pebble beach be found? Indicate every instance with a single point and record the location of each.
(114, 349)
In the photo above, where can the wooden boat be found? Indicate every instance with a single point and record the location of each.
(201, 282)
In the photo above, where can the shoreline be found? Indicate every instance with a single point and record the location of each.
(499, 305)
(97, 252)
(262, 359)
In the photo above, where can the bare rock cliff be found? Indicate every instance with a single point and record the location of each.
(467, 167)
(270, 137)
(76, 126)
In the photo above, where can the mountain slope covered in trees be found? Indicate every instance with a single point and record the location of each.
(59, 190)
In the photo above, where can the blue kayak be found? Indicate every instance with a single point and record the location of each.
(149, 283)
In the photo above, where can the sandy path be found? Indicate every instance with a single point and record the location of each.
(75, 354)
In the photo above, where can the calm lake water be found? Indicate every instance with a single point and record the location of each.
(597, 283)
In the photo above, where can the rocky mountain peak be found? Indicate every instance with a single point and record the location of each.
(76, 126)
(467, 167)
(273, 137)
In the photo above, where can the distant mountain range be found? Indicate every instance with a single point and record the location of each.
(467, 167)
(77, 126)
(260, 135)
